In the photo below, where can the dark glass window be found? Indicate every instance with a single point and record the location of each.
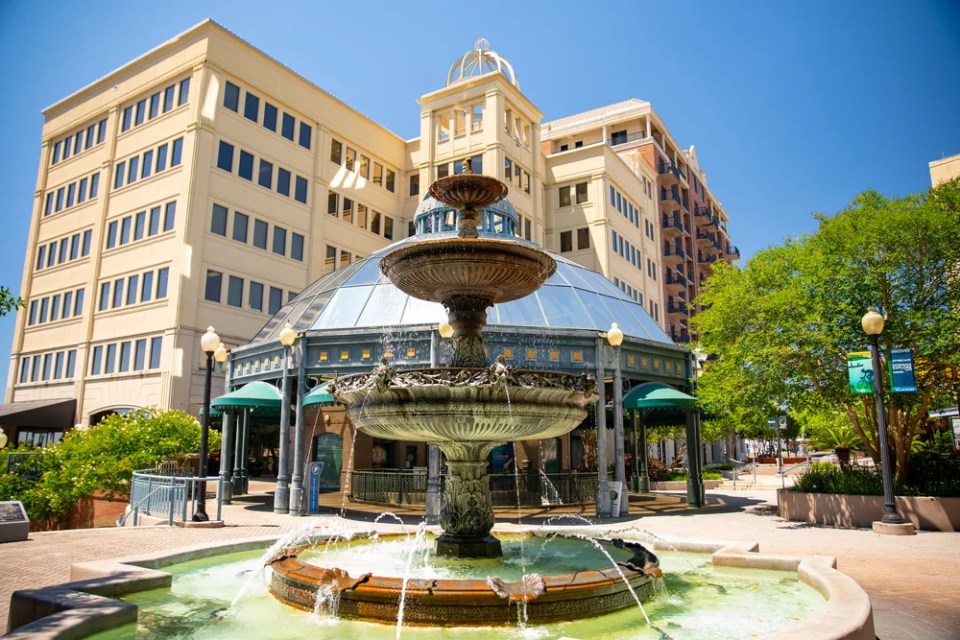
(300, 194)
(255, 299)
(63, 251)
(391, 181)
(48, 208)
(306, 132)
(117, 293)
(333, 203)
(176, 153)
(269, 116)
(336, 151)
(240, 223)
(212, 290)
(139, 225)
(146, 294)
(163, 275)
(184, 91)
(276, 300)
(102, 131)
(246, 165)
(265, 175)
(133, 288)
(125, 231)
(91, 133)
(147, 164)
(168, 98)
(41, 256)
(388, 227)
(124, 356)
(71, 363)
(218, 220)
(583, 238)
(170, 216)
(280, 241)
(224, 157)
(283, 181)
(286, 126)
(566, 241)
(75, 246)
(117, 182)
(375, 223)
(231, 96)
(581, 192)
(260, 234)
(96, 362)
(126, 119)
(251, 107)
(161, 158)
(139, 354)
(564, 197)
(154, 105)
(134, 171)
(110, 361)
(78, 304)
(415, 184)
(296, 247)
(235, 291)
(156, 346)
(140, 112)
(154, 225)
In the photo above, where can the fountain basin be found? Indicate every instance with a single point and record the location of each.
(459, 602)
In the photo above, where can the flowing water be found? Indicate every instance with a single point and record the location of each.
(706, 603)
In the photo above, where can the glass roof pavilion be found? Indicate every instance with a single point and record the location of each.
(350, 318)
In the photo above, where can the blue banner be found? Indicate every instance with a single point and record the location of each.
(860, 372)
(901, 371)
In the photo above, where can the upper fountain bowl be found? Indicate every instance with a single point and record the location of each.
(468, 191)
(495, 270)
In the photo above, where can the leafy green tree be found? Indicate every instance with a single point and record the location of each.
(102, 459)
(782, 326)
(8, 302)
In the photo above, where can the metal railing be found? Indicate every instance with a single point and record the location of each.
(741, 465)
(535, 488)
(172, 497)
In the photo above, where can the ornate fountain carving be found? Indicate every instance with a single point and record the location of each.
(528, 588)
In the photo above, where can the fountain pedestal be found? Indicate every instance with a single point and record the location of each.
(467, 512)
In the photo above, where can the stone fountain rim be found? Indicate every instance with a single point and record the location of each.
(847, 615)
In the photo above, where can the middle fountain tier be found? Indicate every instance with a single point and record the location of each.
(469, 408)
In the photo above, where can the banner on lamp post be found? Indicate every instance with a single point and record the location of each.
(860, 372)
(902, 379)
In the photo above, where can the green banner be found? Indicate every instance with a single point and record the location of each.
(860, 372)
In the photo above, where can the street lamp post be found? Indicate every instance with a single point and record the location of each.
(872, 323)
(226, 426)
(281, 497)
(615, 338)
(208, 344)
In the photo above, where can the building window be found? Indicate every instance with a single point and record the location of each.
(214, 283)
(306, 132)
(280, 241)
(618, 137)
(378, 174)
(583, 238)
(283, 181)
(330, 261)
(564, 196)
(415, 184)
(265, 175)
(245, 170)
(276, 300)
(225, 157)
(260, 234)
(336, 151)
(218, 220)
(296, 246)
(581, 192)
(240, 224)
(391, 181)
(235, 291)
(251, 107)
(269, 117)
(300, 195)
(566, 241)
(255, 298)
(388, 227)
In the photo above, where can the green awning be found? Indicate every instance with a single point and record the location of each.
(320, 395)
(261, 395)
(653, 395)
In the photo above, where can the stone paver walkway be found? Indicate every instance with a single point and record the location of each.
(913, 581)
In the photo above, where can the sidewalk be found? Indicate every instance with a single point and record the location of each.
(912, 581)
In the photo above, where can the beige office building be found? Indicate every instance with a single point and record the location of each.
(944, 170)
(206, 184)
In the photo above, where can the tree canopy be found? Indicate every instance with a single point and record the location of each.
(781, 326)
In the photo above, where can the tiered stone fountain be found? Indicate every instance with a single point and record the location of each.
(466, 410)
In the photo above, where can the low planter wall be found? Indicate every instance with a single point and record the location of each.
(926, 513)
(681, 485)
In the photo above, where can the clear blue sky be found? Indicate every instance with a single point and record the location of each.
(794, 107)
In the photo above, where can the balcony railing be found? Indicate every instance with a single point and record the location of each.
(733, 251)
(628, 138)
(679, 336)
(668, 168)
(673, 250)
(675, 278)
(668, 221)
(676, 307)
(707, 258)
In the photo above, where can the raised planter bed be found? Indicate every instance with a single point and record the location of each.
(925, 512)
(681, 485)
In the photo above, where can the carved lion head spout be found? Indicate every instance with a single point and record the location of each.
(528, 588)
(337, 580)
(643, 560)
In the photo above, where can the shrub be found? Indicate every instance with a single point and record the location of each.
(935, 473)
(721, 466)
(823, 477)
(657, 470)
